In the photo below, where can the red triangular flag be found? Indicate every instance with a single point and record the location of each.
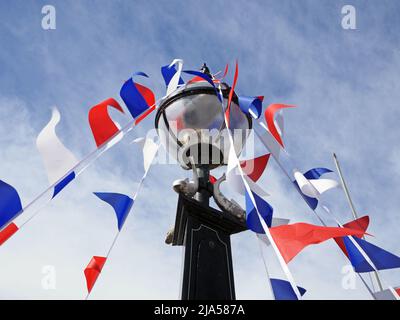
(292, 238)
(93, 270)
(269, 118)
(254, 168)
(103, 127)
(196, 79)
(231, 92)
(358, 224)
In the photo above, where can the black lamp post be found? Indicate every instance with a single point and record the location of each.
(191, 126)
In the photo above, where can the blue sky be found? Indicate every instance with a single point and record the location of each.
(344, 83)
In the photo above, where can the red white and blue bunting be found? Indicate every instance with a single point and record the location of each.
(286, 240)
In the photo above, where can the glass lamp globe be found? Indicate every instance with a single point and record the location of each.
(191, 126)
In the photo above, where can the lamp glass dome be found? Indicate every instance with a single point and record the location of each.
(191, 124)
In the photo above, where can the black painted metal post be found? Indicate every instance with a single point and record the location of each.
(205, 233)
(203, 194)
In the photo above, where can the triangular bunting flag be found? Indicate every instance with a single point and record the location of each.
(252, 218)
(149, 148)
(291, 239)
(269, 118)
(172, 77)
(311, 186)
(93, 270)
(121, 203)
(283, 290)
(58, 160)
(10, 203)
(316, 173)
(103, 127)
(254, 168)
(230, 97)
(251, 105)
(358, 224)
(381, 258)
(137, 97)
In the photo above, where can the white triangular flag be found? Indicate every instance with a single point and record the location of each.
(323, 185)
(150, 149)
(174, 82)
(58, 160)
(314, 187)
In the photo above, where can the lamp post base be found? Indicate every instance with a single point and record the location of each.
(205, 233)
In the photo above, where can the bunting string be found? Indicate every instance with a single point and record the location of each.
(232, 155)
(91, 281)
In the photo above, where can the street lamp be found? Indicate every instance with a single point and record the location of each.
(191, 126)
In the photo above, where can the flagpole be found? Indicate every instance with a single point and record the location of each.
(353, 210)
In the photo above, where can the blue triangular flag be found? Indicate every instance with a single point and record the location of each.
(10, 203)
(121, 203)
(133, 98)
(316, 173)
(381, 258)
(168, 72)
(252, 219)
(283, 290)
(251, 103)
